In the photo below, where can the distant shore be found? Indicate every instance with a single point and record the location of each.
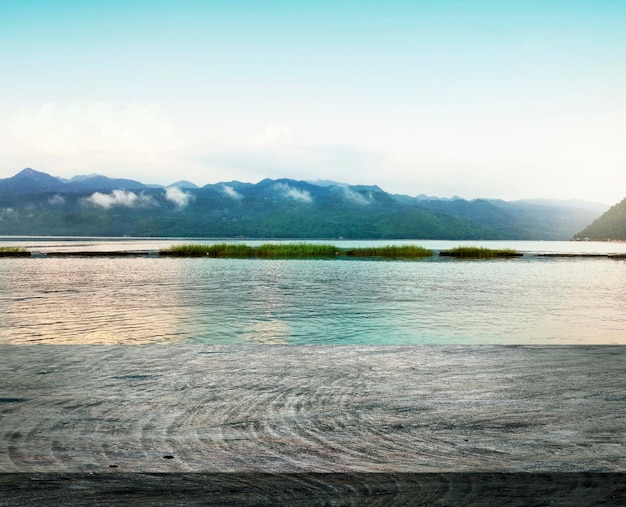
(155, 253)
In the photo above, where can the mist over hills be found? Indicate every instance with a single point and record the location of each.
(36, 203)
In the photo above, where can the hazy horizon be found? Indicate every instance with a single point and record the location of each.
(478, 99)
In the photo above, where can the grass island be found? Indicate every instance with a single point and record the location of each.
(13, 251)
(293, 251)
(472, 252)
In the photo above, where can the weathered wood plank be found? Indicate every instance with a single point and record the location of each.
(342, 410)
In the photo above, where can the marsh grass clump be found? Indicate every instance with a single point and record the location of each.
(230, 250)
(13, 251)
(296, 250)
(292, 251)
(184, 251)
(390, 251)
(219, 250)
(474, 252)
(241, 251)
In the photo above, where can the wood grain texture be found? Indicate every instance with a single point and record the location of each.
(346, 489)
(447, 413)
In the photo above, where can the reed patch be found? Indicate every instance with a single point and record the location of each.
(293, 251)
(473, 252)
(13, 251)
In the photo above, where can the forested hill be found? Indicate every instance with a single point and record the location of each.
(36, 203)
(611, 225)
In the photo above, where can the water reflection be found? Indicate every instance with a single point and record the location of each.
(110, 301)
(228, 301)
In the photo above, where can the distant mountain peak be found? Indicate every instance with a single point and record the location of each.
(183, 184)
(98, 182)
(28, 180)
(31, 173)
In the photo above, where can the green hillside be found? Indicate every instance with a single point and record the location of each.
(611, 225)
(35, 203)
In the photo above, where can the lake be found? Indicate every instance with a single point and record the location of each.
(137, 300)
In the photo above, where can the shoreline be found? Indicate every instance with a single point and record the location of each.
(156, 254)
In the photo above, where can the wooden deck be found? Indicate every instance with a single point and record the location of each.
(294, 424)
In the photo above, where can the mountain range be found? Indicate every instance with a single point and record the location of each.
(36, 203)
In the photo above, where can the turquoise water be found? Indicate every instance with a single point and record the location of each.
(529, 300)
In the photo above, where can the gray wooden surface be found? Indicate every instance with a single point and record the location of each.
(472, 410)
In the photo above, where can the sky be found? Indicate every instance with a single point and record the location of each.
(479, 99)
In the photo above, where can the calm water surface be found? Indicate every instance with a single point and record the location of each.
(529, 300)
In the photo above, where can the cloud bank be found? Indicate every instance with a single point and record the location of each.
(56, 200)
(231, 192)
(120, 198)
(100, 136)
(357, 198)
(93, 126)
(293, 193)
(178, 196)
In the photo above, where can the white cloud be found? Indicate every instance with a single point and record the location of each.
(93, 127)
(56, 200)
(499, 150)
(231, 192)
(178, 196)
(120, 198)
(293, 193)
(356, 197)
(101, 137)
